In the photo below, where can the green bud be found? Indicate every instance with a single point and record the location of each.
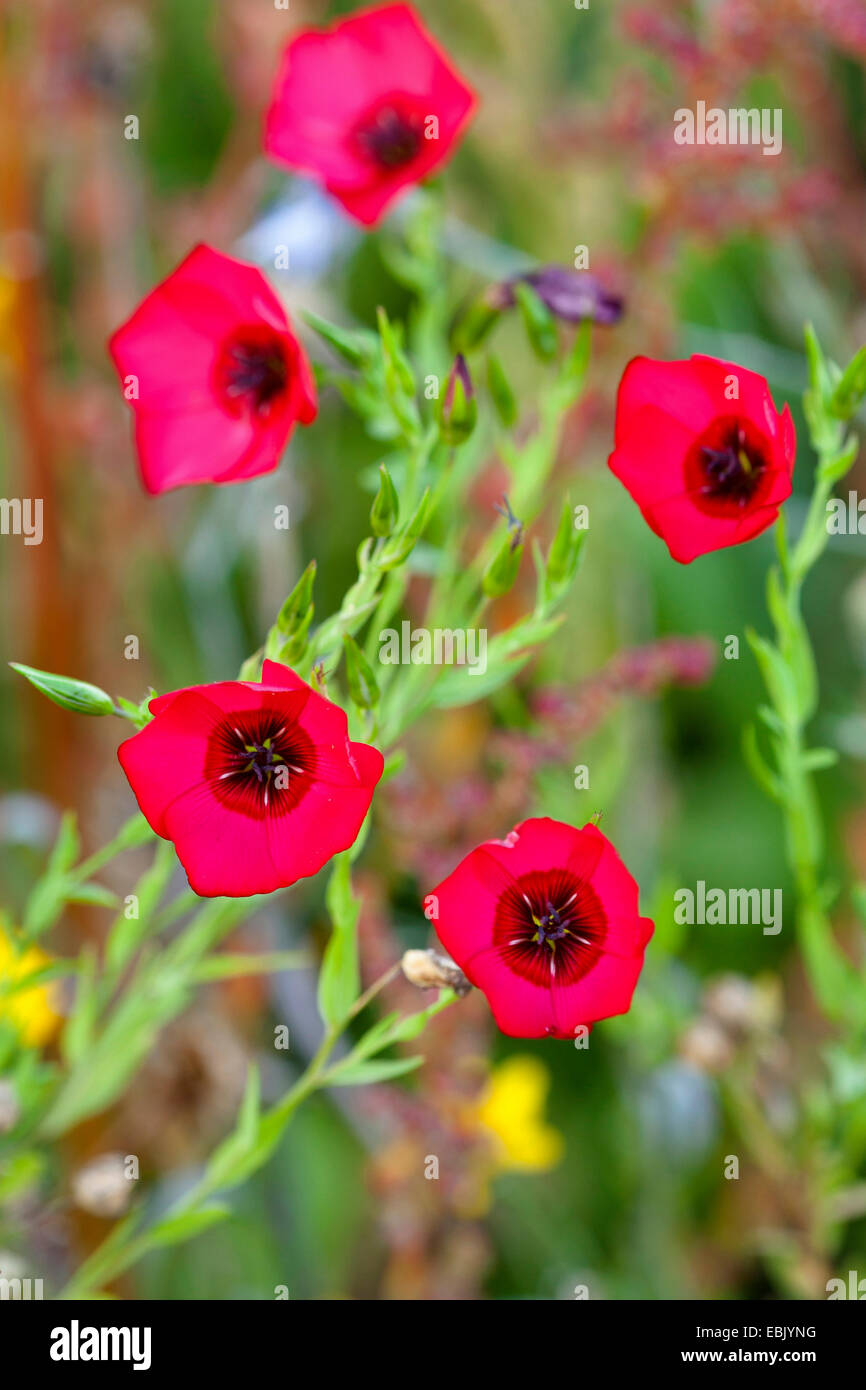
(70, 694)
(395, 357)
(502, 570)
(386, 506)
(359, 675)
(458, 410)
(564, 554)
(818, 373)
(401, 544)
(851, 388)
(538, 321)
(501, 393)
(297, 608)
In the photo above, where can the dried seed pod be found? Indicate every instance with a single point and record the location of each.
(432, 970)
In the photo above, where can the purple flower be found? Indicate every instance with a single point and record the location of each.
(570, 295)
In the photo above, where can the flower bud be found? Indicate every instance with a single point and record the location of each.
(386, 506)
(572, 296)
(565, 548)
(432, 970)
(459, 410)
(102, 1188)
(67, 692)
(297, 605)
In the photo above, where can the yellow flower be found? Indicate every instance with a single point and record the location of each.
(512, 1110)
(29, 1010)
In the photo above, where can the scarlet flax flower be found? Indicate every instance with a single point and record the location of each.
(369, 108)
(257, 785)
(703, 451)
(213, 373)
(545, 923)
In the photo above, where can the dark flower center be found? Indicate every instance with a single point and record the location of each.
(259, 763)
(252, 371)
(726, 468)
(390, 136)
(550, 927)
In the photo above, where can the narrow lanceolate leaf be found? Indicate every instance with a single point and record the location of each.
(399, 546)
(850, 391)
(71, 694)
(229, 967)
(359, 675)
(501, 392)
(172, 1230)
(350, 346)
(367, 1073)
(339, 981)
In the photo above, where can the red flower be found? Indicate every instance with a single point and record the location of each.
(213, 373)
(256, 785)
(546, 924)
(368, 107)
(703, 451)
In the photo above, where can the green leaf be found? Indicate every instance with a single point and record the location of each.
(576, 364)
(833, 468)
(359, 675)
(817, 759)
(80, 1028)
(71, 694)
(127, 933)
(777, 678)
(368, 1073)
(396, 362)
(401, 544)
(93, 893)
(227, 966)
(352, 347)
(172, 1230)
(850, 391)
(339, 981)
(762, 774)
(501, 392)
